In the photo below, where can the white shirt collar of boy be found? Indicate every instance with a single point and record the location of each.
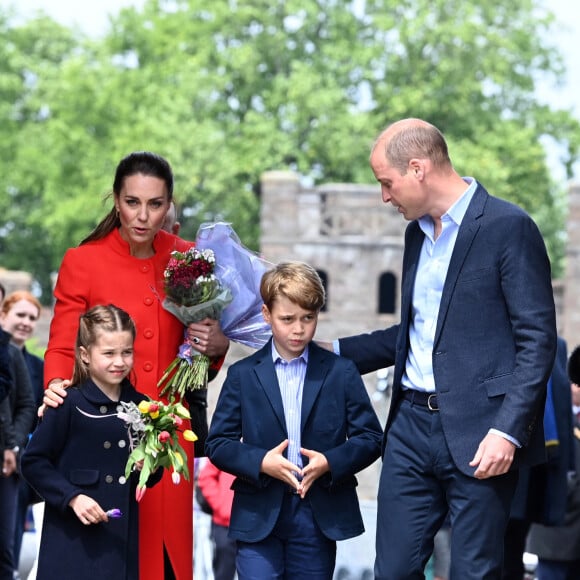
(428, 289)
(291, 375)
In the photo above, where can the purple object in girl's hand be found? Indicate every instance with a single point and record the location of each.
(114, 513)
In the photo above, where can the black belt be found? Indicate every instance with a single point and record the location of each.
(422, 398)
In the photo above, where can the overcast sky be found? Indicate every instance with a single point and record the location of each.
(92, 17)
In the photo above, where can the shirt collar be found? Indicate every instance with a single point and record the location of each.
(277, 358)
(457, 211)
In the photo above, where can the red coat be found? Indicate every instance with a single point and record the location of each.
(104, 272)
(216, 486)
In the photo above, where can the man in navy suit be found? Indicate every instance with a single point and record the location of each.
(294, 424)
(472, 355)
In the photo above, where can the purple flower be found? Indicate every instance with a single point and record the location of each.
(114, 513)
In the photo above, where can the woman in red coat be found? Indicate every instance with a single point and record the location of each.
(122, 262)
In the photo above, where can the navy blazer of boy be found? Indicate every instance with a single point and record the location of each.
(337, 420)
(495, 338)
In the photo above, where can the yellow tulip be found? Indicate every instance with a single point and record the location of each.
(144, 406)
(189, 435)
(154, 415)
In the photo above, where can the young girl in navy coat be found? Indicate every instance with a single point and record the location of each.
(76, 460)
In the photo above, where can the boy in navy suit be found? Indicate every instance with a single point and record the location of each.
(294, 423)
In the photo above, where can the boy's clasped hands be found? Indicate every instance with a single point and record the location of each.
(276, 465)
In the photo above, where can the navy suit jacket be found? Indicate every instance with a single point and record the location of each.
(495, 339)
(337, 419)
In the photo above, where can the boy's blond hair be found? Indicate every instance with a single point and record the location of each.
(297, 281)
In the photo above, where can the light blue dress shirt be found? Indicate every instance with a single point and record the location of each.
(431, 273)
(291, 376)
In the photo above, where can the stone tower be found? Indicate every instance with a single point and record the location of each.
(570, 318)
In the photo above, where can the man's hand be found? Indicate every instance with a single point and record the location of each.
(276, 465)
(494, 456)
(317, 466)
(208, 338)
(88, 510)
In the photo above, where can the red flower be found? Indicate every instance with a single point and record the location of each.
(164, 437)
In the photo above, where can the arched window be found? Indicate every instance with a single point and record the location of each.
(324, 277)
(387, 286)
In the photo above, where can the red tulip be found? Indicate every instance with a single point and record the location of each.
(139, 493)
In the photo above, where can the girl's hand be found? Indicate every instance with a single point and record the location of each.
(88, 510)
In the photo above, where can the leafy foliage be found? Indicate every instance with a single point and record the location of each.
(231, 88)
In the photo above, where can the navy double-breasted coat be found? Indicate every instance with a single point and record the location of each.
(82, 448)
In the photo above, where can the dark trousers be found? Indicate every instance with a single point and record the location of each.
(224, 555)
(25, 498)
(8, 500)
(514, 548)
(295, 549)
(553, 570)
(419, 484)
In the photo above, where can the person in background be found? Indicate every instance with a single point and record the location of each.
(540, 496)
(558, 547)
(122, 262)
(5, 373)
(472, 353)
(294, 424)
(17, 414)
(216, 487)
(19, 314)
(76, 460)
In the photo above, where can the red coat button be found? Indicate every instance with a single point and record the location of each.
(148, 367)
(148, 333)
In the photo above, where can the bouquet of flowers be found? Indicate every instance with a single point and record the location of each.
(219, 279)
(192, 293)
(153, 435)
(240, 270)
